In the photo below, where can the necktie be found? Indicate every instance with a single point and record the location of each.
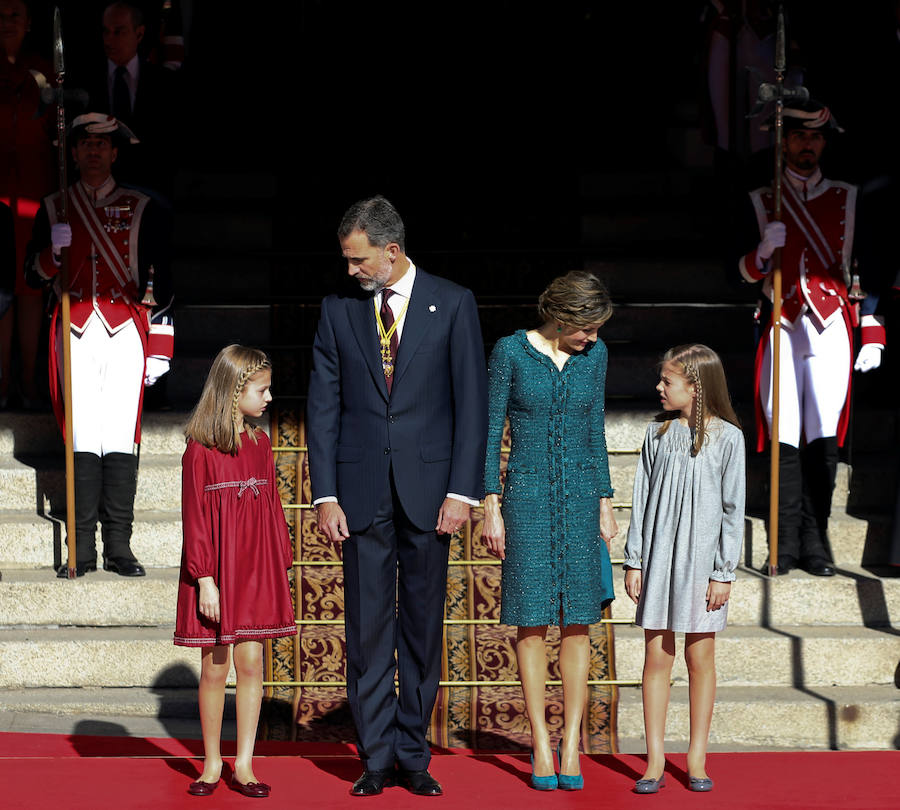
(387, 320)
(121, 96)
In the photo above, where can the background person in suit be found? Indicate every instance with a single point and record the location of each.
(397, 420)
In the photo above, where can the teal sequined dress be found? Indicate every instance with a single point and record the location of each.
(556, 562)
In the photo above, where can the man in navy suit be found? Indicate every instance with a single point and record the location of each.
(396, 427)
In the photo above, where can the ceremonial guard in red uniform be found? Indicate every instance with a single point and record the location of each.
(822, 301)
(122, 332)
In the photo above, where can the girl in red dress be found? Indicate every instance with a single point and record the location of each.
(233, 587)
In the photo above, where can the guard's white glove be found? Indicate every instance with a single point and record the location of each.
(773, 237)
(60, 237)
(156, 367)
(869, 357)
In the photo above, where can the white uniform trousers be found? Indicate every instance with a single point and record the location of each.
(107, 375)
(815, 370)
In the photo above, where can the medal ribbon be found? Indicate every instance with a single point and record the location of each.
(387, 336)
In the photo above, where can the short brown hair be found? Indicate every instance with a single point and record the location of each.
(701, 367)
(576, 299)
(216, 422)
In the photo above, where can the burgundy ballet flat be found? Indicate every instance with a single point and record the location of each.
(255, 790)
(199, 788)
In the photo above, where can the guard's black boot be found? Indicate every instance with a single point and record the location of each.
(88, 485)
(790, 489)
(117, 514)
(819, 461)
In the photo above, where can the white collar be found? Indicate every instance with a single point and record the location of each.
(404, 286)
(133, 67)
(101, 192)
(798, 180)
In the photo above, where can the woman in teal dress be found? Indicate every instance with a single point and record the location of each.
(556, 522)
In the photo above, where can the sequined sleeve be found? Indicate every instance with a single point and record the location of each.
(598, 428)
(499, 382)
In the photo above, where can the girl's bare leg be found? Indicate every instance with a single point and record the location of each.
(214, 665)
(248, 659)
(574, 663)
(531, 655)
(659, 656)
(700, 656)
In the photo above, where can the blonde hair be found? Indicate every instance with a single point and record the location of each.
(216, 420)
(702, 368)
(576, 299)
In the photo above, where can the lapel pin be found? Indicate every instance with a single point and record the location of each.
(432, 308)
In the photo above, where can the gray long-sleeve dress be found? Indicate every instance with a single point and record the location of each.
(687, 524)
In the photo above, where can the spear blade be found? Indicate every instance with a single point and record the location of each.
(59, 61)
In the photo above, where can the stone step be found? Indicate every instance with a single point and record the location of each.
(120, 656)
(854, 541)
(134, 701)
(36, 434)
(28, 540)
(781, 656)
(38, 483)
(747, 656)
(837, 717)
(38, 599)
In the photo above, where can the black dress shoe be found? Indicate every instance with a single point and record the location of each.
(786, 564)
(818, 567)
(80, 569)
(371, 783)
(421, 783)
(124, 568)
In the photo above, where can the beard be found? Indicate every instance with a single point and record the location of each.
(378, 280)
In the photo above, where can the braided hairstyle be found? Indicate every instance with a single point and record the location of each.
(217, 421)
(703, 369)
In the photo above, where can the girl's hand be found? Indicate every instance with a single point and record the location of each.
(209, 599)
(633, 580)
(717, 594)
(493, 531)
(608, 526)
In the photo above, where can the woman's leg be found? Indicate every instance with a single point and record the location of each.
(248, 657)
(214, 665)
(574, 663)
(700, 656)
(659, 655)
(531, 655)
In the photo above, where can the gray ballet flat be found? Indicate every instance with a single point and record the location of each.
(700, 784)
(650, 785)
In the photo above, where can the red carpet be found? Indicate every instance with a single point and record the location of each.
(58, 771)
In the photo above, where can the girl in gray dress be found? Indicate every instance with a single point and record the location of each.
(684, 541)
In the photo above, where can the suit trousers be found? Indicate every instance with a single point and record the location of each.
(395, 584)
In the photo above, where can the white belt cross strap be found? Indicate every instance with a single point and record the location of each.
(253, 484)
(100, 238)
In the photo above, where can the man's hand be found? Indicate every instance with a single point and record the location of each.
(209, 599)
(332, 521)
(774, 236)
(633, 580)
(452, 515)
(717, 594)
(869, 358)
(493, 531)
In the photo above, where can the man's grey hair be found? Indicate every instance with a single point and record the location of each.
(137, 15)
(377, 219)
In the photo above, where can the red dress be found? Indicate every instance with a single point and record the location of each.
(234, 531)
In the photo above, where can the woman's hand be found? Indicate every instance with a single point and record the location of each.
(493, 532)
(608, 526)
(633, 580)
(209, 599)
(717, 594)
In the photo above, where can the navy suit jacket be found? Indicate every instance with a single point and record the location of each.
(431, 429)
